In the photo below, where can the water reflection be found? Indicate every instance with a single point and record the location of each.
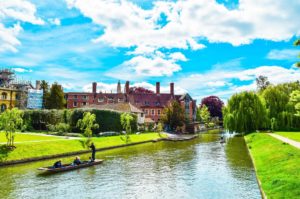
(201, 168)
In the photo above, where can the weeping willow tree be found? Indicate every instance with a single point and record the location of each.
(297, 43)
(280, 107)
(244, 113)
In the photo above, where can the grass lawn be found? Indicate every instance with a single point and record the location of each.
(277, 165)
(21, 137)
(291, 135)
(39, 149)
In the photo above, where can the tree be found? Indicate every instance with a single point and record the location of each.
(295, 99)
(204, 114)
(140, 90)
(10, 121)
(244, 113)
(214, 105)
(86, 124)
(159, 128)
(126, 119)
(45, 88)
(56, 99)
(297, 43)
(173, 115)
(262, 82)
(280, 106)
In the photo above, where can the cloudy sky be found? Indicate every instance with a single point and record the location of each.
(207, 47)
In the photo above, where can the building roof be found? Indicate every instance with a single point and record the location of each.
(151, 99)
(119, 107)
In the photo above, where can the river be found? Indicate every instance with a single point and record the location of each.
(201, 168)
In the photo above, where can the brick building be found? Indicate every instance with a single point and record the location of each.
(152, 104)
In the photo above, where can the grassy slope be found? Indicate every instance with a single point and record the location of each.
(277, 164)
(38, 149)
(291, 135)
(21, 137)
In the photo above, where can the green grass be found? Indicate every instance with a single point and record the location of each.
(277, 165)
(291, 135)
(21, 137)
(39, 149)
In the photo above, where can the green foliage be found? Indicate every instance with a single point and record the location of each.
(56, 99)
(173, 115)
(295, 99)
(43, 119)
(159, 128)
(10, 121)
(204, 114)
(126, 120)
(281, 107)
(297, 43)
(244, 113)
(87, 123)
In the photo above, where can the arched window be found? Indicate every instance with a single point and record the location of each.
(4, 96)
(3, 107)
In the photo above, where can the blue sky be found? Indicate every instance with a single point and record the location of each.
(206, 47)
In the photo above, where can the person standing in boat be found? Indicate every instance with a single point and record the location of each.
(93, 151)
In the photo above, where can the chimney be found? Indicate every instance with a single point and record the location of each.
(127, 87)
(38, 85)
(172, 89)
(157, 88)
(94, 87)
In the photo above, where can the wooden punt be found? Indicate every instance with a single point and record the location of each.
(69, 167)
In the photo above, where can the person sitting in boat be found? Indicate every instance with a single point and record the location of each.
(57, 164)
(90, 160)
(77, 161)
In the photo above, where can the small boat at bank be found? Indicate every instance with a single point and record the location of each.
(68, 167)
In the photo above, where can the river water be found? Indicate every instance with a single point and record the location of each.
(201, 168)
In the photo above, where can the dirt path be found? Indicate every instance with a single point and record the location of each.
(287, 140)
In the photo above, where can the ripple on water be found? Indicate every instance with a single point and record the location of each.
(202, 168)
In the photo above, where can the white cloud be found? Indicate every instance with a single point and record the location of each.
(187, 23)
(285, 54)
(128, 25)
(178, 56)
(22, 70)
(18, 10)
(54, 21)
(142, 66)
(225, 83)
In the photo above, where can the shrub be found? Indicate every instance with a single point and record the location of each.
(48, 119)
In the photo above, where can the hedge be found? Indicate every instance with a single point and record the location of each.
(107, 120)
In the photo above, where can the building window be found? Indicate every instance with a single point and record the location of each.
(158, 112)
(85, 97)
(142, 114)
(146, 112)
(101, 100)
(84, 103)
(75, 104)
(4, 96)
(146, 103)
(75, 96)
(153, 112)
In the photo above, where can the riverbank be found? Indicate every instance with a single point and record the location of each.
(45, 149)
(276, 164)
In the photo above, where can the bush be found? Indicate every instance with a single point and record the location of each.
(51, 119)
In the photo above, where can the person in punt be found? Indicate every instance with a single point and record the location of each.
(57, 164)
(77, 161)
